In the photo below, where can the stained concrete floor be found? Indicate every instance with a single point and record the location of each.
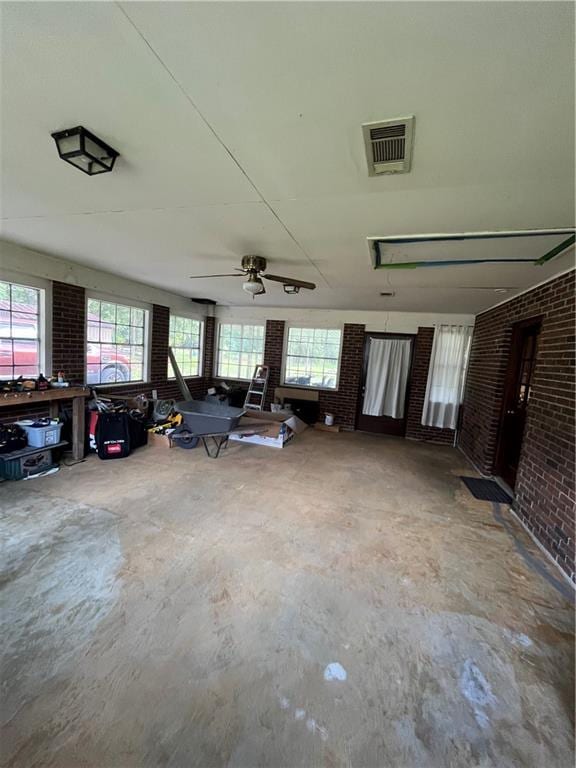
(341, 602)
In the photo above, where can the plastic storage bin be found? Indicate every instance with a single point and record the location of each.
(41, 436)
(27, 465)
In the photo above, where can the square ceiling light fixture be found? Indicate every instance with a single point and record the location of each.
(84, 150)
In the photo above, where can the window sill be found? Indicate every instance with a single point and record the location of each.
(117, 384)
(305, 388)
(229, 378)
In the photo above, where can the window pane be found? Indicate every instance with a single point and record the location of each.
(122, 334)
(184, 339)
(108, 312)
(115, 349)
(106, 332)
(24, 299)
(4, 324)
(123, 315)
(312, 356)
(19, 330)
(6, 357)
(240, 350)
(25, 353)
(24, 326)
(137, 316)
(93, 309)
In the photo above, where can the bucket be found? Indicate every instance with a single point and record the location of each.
(329, 419)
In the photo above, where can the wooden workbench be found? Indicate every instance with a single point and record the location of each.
(51, 397)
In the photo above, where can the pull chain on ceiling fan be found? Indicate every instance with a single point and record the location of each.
(252, 270)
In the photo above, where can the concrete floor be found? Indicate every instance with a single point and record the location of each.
(341, 602)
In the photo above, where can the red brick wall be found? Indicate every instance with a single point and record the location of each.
(344, 403)
(159, 338)
(209, 347)
(68, 331)
(17, 412)
(545, 495)
(418, 381)
(273, 351)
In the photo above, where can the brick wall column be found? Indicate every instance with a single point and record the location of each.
(68, 331)
(209, 348)
(418, 381)
(159, 335)
(273, 352)
(344, 402)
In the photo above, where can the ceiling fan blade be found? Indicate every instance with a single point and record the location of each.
(291, 281)
(450, 262)
(230, 274)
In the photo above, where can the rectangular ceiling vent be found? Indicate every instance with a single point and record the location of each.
(389, 145)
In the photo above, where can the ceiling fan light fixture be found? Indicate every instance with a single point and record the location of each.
(254, 285)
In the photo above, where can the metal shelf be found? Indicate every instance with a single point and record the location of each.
(29, 450)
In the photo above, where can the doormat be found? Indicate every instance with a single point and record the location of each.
(486, 490)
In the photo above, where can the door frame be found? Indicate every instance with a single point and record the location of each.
(510, 384)
(365, 355)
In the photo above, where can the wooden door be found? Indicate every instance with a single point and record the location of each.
(384, 425)
(517, 391)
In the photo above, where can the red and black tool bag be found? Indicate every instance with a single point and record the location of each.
(113, 435)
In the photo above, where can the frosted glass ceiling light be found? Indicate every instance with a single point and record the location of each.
(254, 285)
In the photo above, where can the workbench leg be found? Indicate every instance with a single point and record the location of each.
(54, 412)
(78, 406)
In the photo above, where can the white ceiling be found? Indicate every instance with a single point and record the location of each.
(239, 131)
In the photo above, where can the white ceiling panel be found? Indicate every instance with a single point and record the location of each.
(290, 84)
(239, 128)
(68, 64)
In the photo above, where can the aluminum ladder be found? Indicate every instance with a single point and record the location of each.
(256, 394)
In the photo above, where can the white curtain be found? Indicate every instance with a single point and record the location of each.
(446, 375)
(386, 378)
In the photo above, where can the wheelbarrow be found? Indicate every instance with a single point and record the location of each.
(210, 423)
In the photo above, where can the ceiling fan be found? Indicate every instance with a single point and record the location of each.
(252, 271)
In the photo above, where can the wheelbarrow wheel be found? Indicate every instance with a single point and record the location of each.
(184, 438)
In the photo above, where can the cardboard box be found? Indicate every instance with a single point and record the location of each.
(274, 430)
(159, 441)
(327, 427)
